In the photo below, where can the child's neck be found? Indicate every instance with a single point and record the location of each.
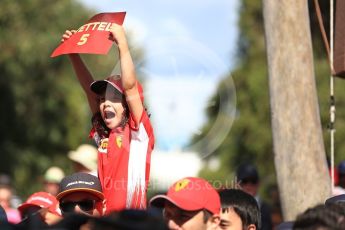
(118, 129)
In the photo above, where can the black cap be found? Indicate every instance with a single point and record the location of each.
(100, 86)
(247, 172)
(80, 182)
(341, 168)
(335, 199)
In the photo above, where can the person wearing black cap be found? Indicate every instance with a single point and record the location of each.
(81, 193)
(249, 181)
(121, 128)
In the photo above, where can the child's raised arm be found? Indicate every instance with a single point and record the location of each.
(83, 74)
(128, 75)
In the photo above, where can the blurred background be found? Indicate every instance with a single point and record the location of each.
(204, 70)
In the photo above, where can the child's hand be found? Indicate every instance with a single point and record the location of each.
(117, 34)
(67, 35)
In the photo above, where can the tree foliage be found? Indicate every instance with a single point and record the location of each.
(44, 112)
(250, 138)
(250, 133)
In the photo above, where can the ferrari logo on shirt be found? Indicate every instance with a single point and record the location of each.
(102, 148)
(119, 141)
(181, 184)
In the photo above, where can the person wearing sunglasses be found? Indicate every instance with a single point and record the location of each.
(81, 193)
(42, 205)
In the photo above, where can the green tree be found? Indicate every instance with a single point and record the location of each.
(32, 99)
(250, 135)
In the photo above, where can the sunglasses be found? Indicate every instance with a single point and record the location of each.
(33, 211)
(84, 205)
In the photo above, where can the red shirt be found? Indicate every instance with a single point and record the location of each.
(124, 165)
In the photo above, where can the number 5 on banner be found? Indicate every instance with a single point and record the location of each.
(93, 36)
(83, 39)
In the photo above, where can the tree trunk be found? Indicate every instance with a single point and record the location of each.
(300, 159)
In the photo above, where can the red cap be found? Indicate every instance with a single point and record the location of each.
(43, 200)
(190, 194)
(99, 87)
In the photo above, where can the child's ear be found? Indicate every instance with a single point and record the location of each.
(251, 227)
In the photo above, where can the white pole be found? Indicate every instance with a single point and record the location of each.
(332, 106)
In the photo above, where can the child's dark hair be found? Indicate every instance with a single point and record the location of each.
(243, 204)
(126, 112)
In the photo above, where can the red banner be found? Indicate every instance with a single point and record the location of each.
(92, 37)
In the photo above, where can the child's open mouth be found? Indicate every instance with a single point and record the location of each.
(109, 115)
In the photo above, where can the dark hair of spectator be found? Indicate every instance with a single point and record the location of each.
(322, 216)
(244, 205)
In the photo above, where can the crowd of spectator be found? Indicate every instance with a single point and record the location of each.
(189, 203)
